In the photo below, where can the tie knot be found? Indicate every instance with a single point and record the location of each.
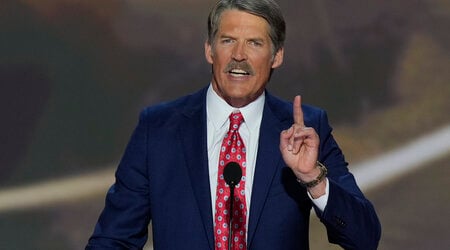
(236, 120)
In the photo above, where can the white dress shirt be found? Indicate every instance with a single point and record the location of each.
(217, 113)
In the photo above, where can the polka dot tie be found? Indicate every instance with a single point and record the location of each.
(232, 149)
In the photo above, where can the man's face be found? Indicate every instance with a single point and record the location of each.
(242, 57)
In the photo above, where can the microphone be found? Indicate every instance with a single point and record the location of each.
(232, 173)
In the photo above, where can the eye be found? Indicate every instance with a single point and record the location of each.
(226, 41)
(255, 43)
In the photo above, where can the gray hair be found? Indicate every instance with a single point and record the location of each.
(267, 9)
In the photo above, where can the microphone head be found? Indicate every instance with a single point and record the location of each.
(232, 173)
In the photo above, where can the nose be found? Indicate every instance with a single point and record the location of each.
(239, 53)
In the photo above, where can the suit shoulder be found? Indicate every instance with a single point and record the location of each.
(283, 106)
(180, 105)
(166, 111)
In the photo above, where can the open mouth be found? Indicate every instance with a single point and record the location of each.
(238, 72)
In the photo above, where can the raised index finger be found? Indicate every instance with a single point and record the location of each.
(297, 109)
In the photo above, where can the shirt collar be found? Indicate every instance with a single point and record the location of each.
(218, 110)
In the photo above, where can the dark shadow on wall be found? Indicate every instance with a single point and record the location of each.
(24, 92)
(359, 78)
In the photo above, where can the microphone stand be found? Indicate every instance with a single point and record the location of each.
(230, 223)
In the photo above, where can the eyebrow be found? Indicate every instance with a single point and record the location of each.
(226, 36)
(261, 40)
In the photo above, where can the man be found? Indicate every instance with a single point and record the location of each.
(172, 171)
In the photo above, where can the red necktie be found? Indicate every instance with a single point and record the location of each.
(232, 149)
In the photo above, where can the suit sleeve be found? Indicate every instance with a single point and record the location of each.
(123, 224)
(350, 219)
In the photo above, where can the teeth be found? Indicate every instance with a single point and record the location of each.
(238, 71)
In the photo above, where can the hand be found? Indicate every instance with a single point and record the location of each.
(299, 146)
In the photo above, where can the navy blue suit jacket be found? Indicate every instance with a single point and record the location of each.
(163, 178)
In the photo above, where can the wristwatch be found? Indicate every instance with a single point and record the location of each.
(320, 177)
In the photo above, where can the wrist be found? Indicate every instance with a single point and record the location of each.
(310, 183)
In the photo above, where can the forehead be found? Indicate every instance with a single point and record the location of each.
(240, 22)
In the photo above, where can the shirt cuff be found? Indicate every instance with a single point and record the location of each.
(322, 201)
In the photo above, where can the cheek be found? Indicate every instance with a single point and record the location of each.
(263, 69)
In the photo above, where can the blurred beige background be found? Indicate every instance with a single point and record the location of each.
(74, 75)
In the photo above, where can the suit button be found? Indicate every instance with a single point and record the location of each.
(340, 222)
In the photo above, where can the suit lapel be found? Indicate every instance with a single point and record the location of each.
(268, 160)
(193, 136)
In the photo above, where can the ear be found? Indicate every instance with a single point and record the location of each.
(278, 58)
(208, 52)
